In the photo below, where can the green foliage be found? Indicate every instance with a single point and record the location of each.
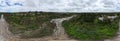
(32, 25)
(89, 27)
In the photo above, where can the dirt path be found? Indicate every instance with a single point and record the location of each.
(6, 35)
(1, 30)
(59, 32)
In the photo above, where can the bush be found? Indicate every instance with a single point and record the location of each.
(88, 27)
(32, 25)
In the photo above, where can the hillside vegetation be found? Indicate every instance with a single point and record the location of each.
(31, 24)
(85, 26)
(89, 27)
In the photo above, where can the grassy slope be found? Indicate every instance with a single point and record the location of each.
(84, 26)
(32, 25)
(88, 27)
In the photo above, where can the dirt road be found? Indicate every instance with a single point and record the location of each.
(6, 35)
(59, 32)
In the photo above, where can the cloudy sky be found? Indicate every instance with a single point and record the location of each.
(60, 5)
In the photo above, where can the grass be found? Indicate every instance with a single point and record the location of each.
(89, 27)
(32, 24)
(85, 26)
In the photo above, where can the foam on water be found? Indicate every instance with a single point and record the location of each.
(60, 5)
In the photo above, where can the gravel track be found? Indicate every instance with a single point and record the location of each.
(59, 34)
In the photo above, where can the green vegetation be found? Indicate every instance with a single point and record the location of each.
(32, 24)
(89, 27)
(85, 26)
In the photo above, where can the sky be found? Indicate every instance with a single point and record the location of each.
(60, 5)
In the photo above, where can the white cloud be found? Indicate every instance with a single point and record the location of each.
(60, 5)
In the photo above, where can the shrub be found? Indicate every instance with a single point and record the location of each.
(32, 25)
(88, 27)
